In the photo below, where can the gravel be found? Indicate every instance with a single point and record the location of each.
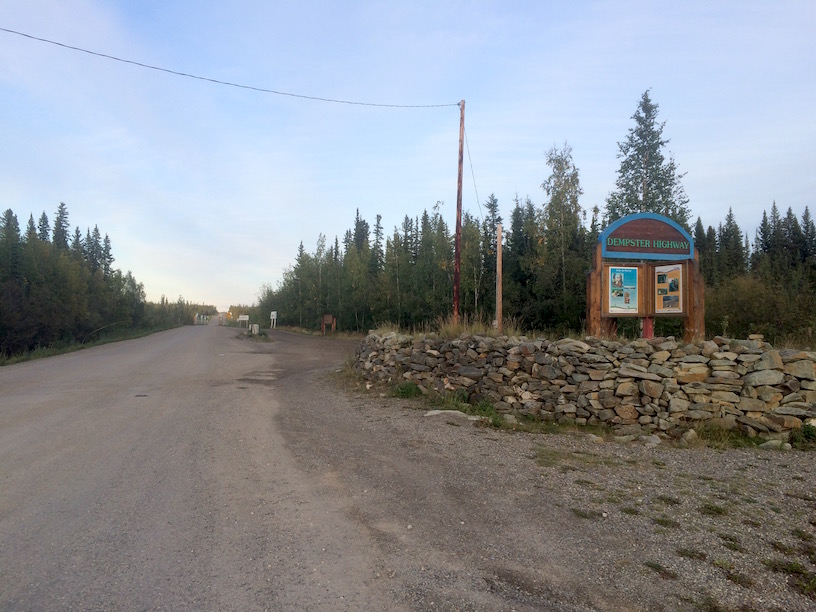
(511, 520)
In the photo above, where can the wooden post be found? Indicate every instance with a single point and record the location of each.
(694, 323)
(499, 278)
(594, 294)
(458, 238)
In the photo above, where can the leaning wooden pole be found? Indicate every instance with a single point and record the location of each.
(457, 243)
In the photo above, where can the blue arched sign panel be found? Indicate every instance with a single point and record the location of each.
(646, 236)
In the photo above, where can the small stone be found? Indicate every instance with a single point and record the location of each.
(689, 436)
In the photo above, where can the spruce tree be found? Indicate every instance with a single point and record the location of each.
(647, 181)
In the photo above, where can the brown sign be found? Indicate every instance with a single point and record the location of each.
(647, 236)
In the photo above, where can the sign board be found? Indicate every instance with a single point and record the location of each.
(646, 236)
(645, 266)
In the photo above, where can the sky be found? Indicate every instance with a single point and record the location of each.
(206, 190)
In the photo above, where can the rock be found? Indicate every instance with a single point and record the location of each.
(801, 369)
(772, 444)
(746, 404)
(631, 372)
(678, 405)
(627, 412)
(651, 441)
(785, 421)
(470, 372)
(626, 389)
(771, 360)
(764, 377)
(689, 436)
(651, 388)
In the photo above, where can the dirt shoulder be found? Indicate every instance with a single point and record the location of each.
(468, 517)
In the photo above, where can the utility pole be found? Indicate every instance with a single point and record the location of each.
(499, 279)
(457, 244)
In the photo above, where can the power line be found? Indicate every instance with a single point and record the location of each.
(472, 174)
(220, 82)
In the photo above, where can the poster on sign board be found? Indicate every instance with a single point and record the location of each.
(623, 290)
(668, 289)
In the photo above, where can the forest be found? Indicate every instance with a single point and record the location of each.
(59, 288)
(404, 277)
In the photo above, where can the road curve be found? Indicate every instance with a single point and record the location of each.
(193, 469)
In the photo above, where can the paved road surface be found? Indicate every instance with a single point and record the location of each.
(195, 470)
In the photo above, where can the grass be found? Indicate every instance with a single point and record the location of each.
(731, 542)
(407, 390)
(662, 571)
(711, 509)
(690, 553)
(665, 521)
(799, 577)
(586, 514)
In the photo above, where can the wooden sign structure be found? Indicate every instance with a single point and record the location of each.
(645, 265)
(328, 319)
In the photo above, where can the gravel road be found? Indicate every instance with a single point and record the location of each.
(193, 469)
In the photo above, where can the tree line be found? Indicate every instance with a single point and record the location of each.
(405, 277)
(58, 287)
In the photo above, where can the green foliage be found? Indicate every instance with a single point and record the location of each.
(803, 438)
(407, 390)
(52, 296)
(647, 181)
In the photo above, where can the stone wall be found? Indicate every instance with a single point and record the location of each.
(644, 386)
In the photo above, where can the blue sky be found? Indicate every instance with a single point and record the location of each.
(207, 190)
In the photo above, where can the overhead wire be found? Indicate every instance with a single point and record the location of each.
(219, 81)
(473, 175)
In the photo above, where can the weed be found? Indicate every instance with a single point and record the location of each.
(731, 542)
(710, 509)
(809, 550)
(709, 604)
(407, 390)
(740, 579)
(690, 553)
(782, 547)
(630, 510)
(585, 483)
(668, 500)
(803, 438)
(662, 571)
(802, 535)
(723, 564)
(799, 577)
(719, 438)
(775, 509)
(665, 521)
(586, 514)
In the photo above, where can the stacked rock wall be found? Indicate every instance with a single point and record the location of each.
(642, 386)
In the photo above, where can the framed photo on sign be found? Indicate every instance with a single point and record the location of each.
(668, 284)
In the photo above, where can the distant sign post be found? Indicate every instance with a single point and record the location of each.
(244, 318)
(645, 265)
(273, 319)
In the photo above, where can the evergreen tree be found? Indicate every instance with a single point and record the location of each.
(647, 181)
(61, 227)
(31, 229)
(107, 257)
(44, 228)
